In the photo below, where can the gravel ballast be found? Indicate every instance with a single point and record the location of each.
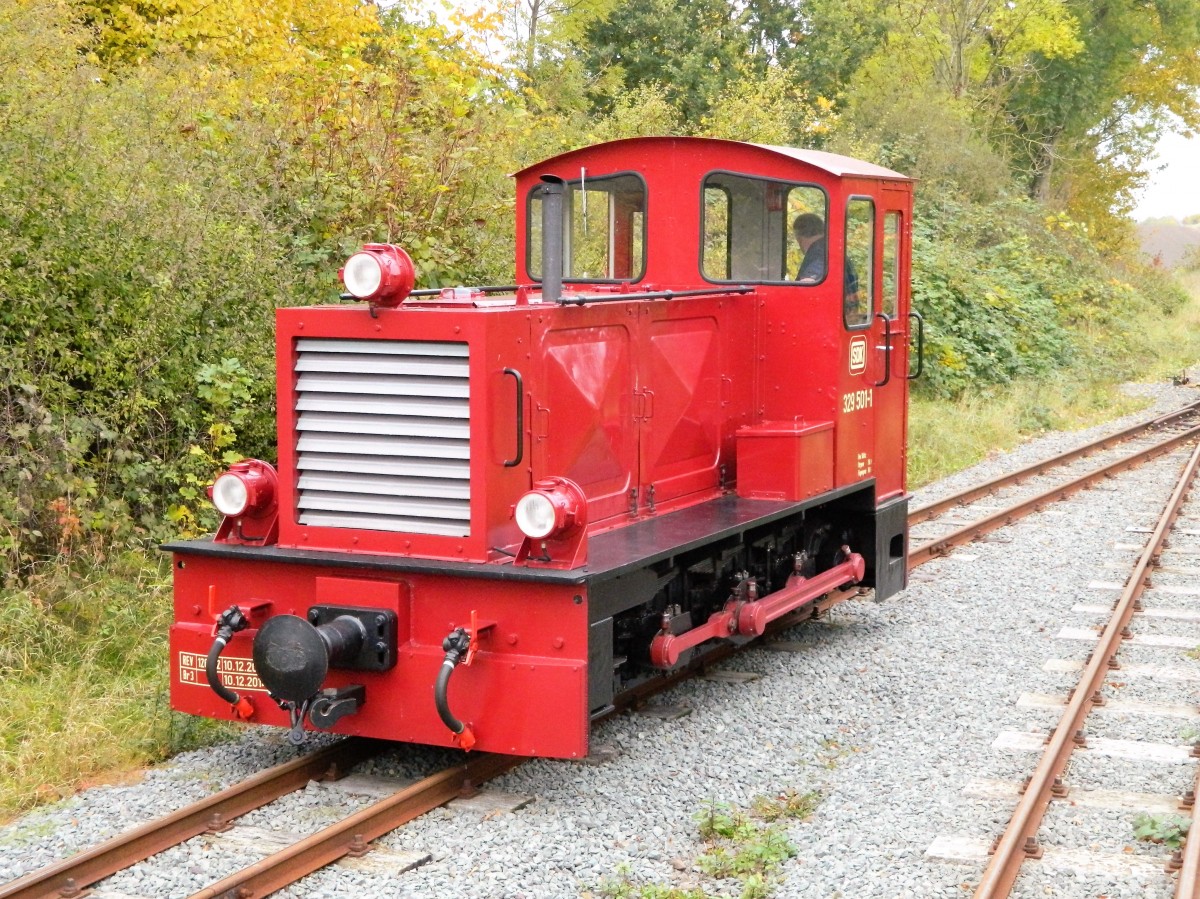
(889, 712)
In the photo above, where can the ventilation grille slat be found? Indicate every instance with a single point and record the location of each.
(384, 435)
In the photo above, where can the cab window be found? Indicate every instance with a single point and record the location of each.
(746, 228)
(891, 263)
(858, 276)
(604, 229)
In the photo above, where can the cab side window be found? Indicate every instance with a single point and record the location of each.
(715, 256)
(891, 263)
(746, 227)
(604, 229)
(858, 276)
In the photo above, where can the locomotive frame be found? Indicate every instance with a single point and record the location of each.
(496, 509)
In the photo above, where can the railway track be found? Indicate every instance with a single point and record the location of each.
(1049, 782)
(1152, 438)
(352, 835)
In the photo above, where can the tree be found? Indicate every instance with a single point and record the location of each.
(821, 43)
(691, 48)
(540, 31)
(274, 38)
(1100, 111)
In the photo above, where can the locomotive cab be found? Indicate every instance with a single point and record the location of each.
(498, 509)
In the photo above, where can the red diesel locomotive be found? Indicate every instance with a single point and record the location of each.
(496, 509)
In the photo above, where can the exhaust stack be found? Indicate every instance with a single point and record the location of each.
(552, 238)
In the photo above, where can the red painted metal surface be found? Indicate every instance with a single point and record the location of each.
(785, 460)
(808, 367)
(497, 339)
(525, 691)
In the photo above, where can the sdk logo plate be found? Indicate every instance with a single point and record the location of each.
(858, 355)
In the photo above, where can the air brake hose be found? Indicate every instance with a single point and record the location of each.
(456, 644)
(231, 621)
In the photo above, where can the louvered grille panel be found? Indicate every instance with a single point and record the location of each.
(384, 435)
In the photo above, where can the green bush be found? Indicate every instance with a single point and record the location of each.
(1009, 293)
(139, 251)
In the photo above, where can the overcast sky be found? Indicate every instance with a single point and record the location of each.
(1174, 191)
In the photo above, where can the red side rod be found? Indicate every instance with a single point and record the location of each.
(750, 618)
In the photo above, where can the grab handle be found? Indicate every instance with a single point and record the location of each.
(520, 417)
(887, 349)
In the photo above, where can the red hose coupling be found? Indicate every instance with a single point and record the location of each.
(243, 709)
(466, 739)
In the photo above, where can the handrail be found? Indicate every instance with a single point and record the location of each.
(887, 349)
(520, 418)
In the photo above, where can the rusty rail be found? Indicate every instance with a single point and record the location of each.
(970, 494)
(350, 836)
(72, 875)
(970, 532)
(69, 876)
(1019, 839)
(1188, 885)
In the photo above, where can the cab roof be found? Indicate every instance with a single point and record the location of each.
(832, 163)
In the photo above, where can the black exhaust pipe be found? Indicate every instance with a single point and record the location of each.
(552, 238)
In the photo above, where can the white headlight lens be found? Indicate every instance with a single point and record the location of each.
(362, 275)
(230, 495)
(535, 515)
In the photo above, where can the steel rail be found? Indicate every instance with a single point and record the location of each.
(1188, 885)
(351, 835)
(70, 876)
(970, 494)
(970, 532)
(1019, 840)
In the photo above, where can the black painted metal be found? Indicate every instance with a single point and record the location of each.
(890, 574)
(290, 658)
(375, 652)
(516, 375)
(611, 554)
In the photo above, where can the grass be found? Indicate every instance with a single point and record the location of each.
(946, 436)
(83, 673)
(747, 847)
(1169, 830)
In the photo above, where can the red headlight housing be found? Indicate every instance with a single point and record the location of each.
(380, 273)
(246, 496)
(553, 516)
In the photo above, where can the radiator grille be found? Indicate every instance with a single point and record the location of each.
(384, 435)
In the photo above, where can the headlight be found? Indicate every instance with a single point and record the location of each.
(554, 509)
(380, 273)
(248, 488)
(230, 494)
(363, 275)
(535, 515)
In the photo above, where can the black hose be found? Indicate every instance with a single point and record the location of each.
(456, 645)
(231, 621)
(214, 676)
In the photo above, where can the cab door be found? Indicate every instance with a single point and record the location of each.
(892, 329)
(857, 369)
(872, 402)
